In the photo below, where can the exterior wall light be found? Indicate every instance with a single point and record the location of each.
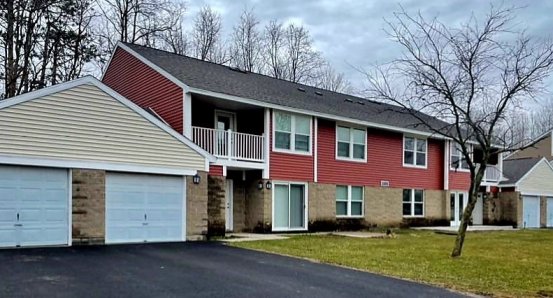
(260, 185)
(196, 179)
(268, 185)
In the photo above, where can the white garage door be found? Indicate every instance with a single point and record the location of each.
(34, 204)
(531, 212)
(144, 208)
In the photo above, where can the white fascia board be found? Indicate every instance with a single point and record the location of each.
(83, 164)
(315, 114)
(532, 169)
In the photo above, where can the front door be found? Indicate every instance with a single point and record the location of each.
(458, 201)
(228, 205)
(289, 207)
(224, 121)
(478, 212)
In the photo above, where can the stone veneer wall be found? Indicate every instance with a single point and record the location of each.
(196, 208)
(543, 211)
(258, 207)
(322, 202)
(88, 206)
(508, 208)
(383, 206)
(239, 205)
(216, 206)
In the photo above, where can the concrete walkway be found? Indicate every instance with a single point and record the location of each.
(453, 230)
(240, 237)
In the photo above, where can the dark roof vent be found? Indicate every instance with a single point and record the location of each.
(361, 103)
(237, 69)
(301, 89)
(348, 100)
(319, 93)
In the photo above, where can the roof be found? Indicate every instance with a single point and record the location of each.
(218, 78)
(515, 169)
(93, 81)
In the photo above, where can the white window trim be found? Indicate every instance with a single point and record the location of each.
(306, 205)
(364, 160)
(292, 149)
(453, 146)
(414, 165)
(412, 202)
(348, 209)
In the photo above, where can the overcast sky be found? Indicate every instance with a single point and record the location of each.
(350, 32)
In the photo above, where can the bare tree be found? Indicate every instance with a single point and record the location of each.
(302, 60)
(207, 36)
(273, 42)
(331, 80)
(246, 43)
(470, 76)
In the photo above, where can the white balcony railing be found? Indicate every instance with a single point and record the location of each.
(492, 174)
(229, 144)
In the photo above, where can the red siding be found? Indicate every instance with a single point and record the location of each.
(290, 167)
(384, 162)
(146, 87)
(459, 180)
(215, 170)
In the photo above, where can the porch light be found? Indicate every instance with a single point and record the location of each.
(196, 179)
(268, 185)
(260, 185)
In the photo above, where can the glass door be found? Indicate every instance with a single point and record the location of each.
(457, 203)
(224, 121)
(289, 207)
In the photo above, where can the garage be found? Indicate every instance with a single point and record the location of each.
(144, 208)
(531, 211)
(34, 204)
(549, 212)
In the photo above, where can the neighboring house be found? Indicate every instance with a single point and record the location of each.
(526, 195)
(81, 164)
(543, 147)
(290, 157)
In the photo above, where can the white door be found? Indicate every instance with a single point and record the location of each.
(530, 212)
(458, 201)
(144, 208)
(224, 121)
(477, 212)
(228, 205)
(34, 206)
(550, 212)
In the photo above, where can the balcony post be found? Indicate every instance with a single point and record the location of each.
(229, 144)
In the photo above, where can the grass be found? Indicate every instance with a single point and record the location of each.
(505, 264)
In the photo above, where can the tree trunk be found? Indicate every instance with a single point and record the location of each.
(467, 213)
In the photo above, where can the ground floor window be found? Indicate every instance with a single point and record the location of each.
(349, 201)
(413, 202)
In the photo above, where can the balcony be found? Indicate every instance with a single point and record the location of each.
(492, 175)
(230, 145)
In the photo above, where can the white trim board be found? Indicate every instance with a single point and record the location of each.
(93, 81)
(80, 164)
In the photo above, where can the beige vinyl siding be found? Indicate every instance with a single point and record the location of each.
(85, 123)
(539, 181)
(541, 149)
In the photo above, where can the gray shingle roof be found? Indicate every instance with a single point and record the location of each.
(222, 79)
(514, 169)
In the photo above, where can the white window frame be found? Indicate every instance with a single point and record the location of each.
(349, 200)
(351, 158)
(412, 203)
(292, 149)
(416, 139)
(306, 205)
(459, 168)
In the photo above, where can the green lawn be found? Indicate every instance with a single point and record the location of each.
(516, 263)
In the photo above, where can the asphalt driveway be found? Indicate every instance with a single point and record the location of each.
(186, 270)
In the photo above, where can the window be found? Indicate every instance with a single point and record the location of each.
(349, 201)
(458, 161)
(351, 143)
(414, 152)
(413, 202)
(292, 132)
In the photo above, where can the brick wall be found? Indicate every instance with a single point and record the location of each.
(196, 208)
(436, 204)
(322, 201)
(383, 206)
(543, 211)
(239, 205)
(510, 207)
(216, 205)
(89, 197)
(258, 207)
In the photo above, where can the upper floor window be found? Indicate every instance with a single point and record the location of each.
(414, 152)
(351, 143)
(292, 132)
(458, 161)
(349, 201)
(413, 202)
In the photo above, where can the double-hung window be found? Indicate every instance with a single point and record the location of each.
(349, 201)
(458, 161)
(414, 152)
(351, 143)
(292, 132)
(413, 202)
